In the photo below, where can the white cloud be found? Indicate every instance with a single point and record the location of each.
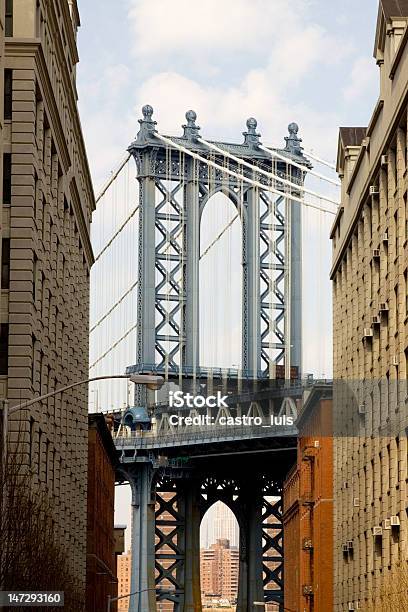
(191, 26)
(364, 80)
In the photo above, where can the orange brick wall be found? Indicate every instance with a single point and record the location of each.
(308, 514)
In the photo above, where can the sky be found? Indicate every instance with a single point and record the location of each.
(308, 61)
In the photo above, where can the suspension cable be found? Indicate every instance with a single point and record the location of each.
(312, 172)
(112, 178)
(240, 176)
(269, 174)
(119, 301)
(113, 346)
(320, 160)
(116, 234)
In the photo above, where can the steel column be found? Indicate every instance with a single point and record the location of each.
(191, 323)
(142, 543)
(191, 567)
(250, 588)
(251, 341)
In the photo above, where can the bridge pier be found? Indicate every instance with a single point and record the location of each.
(250, 588)
(142, 544)
(191, 545)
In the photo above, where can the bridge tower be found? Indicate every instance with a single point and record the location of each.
(177, 176)
(176, 181)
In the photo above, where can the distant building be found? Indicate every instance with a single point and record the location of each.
(103, 539)
(308, 510)
(124, 568)
(219, 569)
(219, 523)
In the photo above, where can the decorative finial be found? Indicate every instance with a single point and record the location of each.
(147, 111)
(251, 136)
(191, 130)
(147, 125)
(293, 141)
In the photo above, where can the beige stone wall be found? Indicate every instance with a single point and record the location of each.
(370, 260)
(47, 303)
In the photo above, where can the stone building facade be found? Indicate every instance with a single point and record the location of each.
(370, 286)
(308, 509)
(47, 202)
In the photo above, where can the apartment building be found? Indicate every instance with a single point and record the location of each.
(47, 200)
(219, 570)
(369, 273)
(124, 581)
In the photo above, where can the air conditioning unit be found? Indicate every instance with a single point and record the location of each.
(368, 332)
(350, 545)
(395, 522)
(385, 237)
(374, 190)
(309, 453)
(395, 361)
(351, 606)
(377, 531)
(307, 544)
(316, 444)
(376, 253)
(376, 320)
(307, 589)
(344, 548)
(306, 500)
(384, 307)
(362, 409)
(356, 502)
(384, 160)
(387, 524)
(345, 484)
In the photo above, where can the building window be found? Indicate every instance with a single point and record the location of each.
(8, 94)
(7, 178)
(4, 333)
(5, 263)
(9, 18)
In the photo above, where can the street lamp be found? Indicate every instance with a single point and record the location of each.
(112, 599)
(149, 380)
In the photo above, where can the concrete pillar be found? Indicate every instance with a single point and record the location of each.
(250, 587)
(143, 540)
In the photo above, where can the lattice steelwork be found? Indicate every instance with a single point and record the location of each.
(272, 541)
(177, 177)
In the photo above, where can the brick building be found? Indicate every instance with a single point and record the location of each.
(370, 287)
(101, 574)
(219, 569)
(308, 509)
(124, 566)
(47, 201)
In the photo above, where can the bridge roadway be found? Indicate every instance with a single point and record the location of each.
(177, 473)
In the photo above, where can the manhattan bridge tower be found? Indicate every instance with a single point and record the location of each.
(176, 475)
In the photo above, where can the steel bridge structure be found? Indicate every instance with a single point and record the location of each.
(178, 471)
